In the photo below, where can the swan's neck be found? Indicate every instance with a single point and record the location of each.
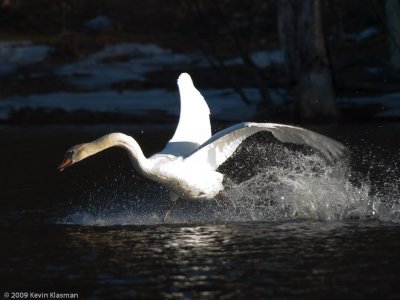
(135, 153)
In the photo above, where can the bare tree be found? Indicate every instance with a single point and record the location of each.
(392, 8)
(221, 24)
(302, 39)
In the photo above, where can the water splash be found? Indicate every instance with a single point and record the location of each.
(306, 186)
(284, 185)
(90, 218)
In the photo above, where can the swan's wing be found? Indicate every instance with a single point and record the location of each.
(194, 121)
(224, 143)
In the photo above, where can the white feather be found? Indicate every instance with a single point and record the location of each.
(194, 126)
(223, 144)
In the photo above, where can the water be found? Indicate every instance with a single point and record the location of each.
(300, 259)
(296, 227)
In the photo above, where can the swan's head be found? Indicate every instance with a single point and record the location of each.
(74, 155)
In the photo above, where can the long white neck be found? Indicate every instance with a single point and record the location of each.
(135, 153)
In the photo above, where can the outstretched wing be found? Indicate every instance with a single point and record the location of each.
(194, 121)
(224, 143)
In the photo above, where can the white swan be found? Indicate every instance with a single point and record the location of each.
(188, 164)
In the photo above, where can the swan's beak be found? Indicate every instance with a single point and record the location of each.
(65, 163)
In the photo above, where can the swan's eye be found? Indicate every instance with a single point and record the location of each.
(69, 154)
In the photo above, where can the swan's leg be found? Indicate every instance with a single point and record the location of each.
(222, 196)
(168, 212)
(172, 198)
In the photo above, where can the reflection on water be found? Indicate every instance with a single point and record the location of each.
(291, 259)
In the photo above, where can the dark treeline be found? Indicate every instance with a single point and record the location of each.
(327, 44)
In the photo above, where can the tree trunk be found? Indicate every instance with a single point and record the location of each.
(302, 40)
(338, 29)
(392, 8)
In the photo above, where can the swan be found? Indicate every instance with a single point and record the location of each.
(188, 164)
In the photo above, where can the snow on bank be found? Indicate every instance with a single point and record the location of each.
(14, 55)
(262, 59)
(363, 34)
(131, 62)
(94, 74)
(224, 104)
(99, 24)
(390, 104)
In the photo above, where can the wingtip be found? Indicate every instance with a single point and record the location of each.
(185, 78)
(337, 151)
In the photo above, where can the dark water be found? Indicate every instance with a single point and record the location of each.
(95, 229)
(299, 259)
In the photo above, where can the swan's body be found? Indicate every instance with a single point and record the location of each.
(188, 164)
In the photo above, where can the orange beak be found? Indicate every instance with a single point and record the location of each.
(64, 164)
